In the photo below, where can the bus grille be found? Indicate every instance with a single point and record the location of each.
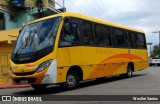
(30, 80)
(24, 73)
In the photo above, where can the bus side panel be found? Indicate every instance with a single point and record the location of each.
(89, 71)
(108, 69)
(93, 58)
(143, 63)
(137, 66)
(67, 57)
(120, 60)
(98, 62)
(122, 67)
(140, 65)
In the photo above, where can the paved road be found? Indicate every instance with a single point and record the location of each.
(146, 82)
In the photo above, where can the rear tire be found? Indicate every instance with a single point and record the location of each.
(39, 86)
(72, 81)
(129, 73)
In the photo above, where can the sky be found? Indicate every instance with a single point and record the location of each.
(140, 14)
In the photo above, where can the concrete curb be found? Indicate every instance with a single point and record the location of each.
(6, 86)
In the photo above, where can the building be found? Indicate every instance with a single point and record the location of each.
(13, 15)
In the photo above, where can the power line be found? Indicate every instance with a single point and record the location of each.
(94, 10)
(104, 8)
(101, 7)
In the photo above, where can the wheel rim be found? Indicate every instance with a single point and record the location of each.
(129, 72)
(71, 80)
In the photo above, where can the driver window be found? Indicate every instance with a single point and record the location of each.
(69, 36)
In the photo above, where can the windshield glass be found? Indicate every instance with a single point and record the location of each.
(37, 36)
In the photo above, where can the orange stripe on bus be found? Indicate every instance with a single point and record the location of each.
(112, 69)
(124, 56)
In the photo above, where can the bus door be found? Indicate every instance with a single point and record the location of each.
(69, 51)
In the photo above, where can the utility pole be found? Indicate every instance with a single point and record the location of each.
(159, 36)
(150, 44)
(63, 4)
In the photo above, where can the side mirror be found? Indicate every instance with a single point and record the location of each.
(67, 28)
(66, 19)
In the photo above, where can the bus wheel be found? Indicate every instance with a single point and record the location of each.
(129, 72)
(39, 86)
(72, 81)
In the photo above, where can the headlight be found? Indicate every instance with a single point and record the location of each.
(44, 66)
(11, 70)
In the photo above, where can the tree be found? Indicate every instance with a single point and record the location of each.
(155, 52)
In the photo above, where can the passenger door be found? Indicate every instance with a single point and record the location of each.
(69, 50)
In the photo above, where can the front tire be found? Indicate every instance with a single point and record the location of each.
(39, 86)
(72, 81)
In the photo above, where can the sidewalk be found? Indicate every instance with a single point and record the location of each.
(5, 86)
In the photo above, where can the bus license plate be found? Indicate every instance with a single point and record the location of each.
(24, 81)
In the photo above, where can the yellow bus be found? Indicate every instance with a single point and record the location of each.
(68, 48)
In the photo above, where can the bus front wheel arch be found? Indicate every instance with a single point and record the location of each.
(73, 77)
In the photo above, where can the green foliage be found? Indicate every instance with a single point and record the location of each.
(155, 51)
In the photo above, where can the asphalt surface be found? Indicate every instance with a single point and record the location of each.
(146, 82)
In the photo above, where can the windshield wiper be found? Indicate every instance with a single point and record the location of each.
(18, 50)
(25, 42)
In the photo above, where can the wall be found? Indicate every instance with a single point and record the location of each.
(5, 54)
(23, 18)
(8, 23)
(6, 47)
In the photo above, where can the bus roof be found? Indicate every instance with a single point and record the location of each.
(81, 16)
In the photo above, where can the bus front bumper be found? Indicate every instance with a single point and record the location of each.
(35, 78)
(47, 76)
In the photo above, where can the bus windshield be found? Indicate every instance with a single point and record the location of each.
(37, 36)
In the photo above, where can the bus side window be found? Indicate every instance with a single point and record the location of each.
(119, 38)
(69, 38)
(130, 39)
(88, 34)
(108, 37)
(140, 41)
(133, 39)
(102, 35)
(113, 35)
(75, 33)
